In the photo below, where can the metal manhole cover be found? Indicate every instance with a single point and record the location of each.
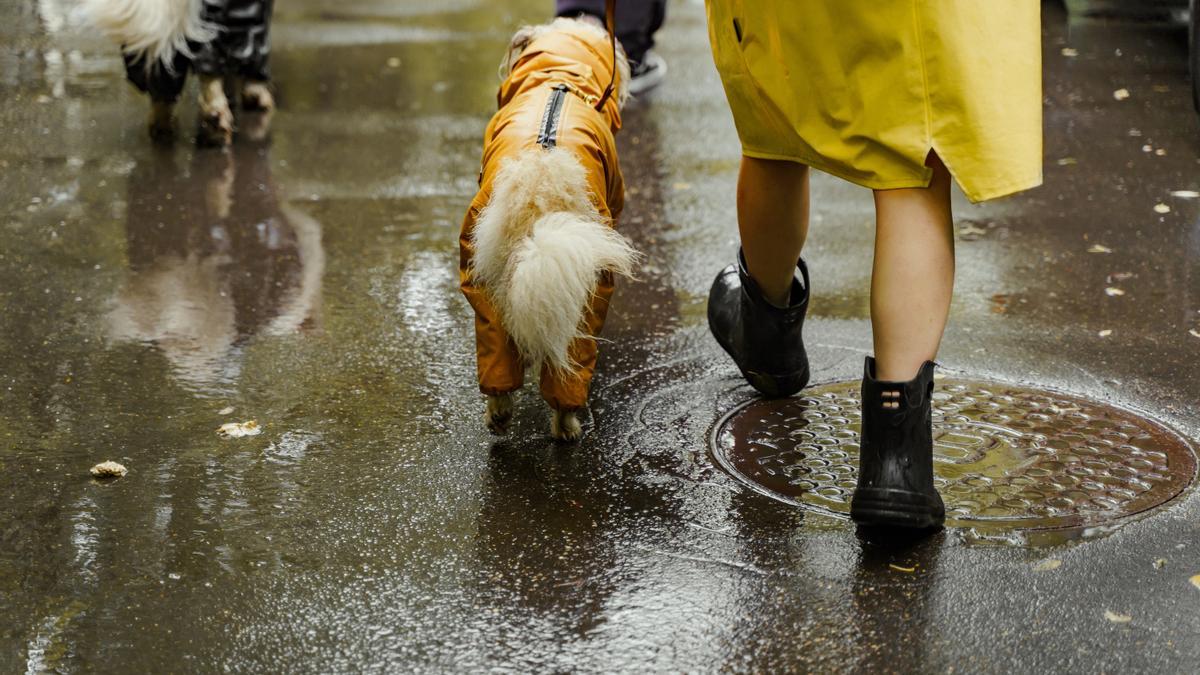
(1005, 456)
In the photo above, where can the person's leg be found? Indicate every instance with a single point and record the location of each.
(911, 284)
(913, 275)
(636, 21)
(756, 307)
(772, 203)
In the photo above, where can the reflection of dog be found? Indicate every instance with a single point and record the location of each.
(214, 260)
(538, 246)
(218, 39)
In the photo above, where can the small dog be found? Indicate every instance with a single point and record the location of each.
(538, 246)
(220, 40)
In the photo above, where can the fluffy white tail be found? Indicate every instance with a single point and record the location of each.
(157, 29)
(540, 246)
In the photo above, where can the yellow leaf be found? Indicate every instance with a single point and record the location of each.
(1099, 248)
(1162, 208)
(898, 568)
(1195, 580)
(1121, 94)
(1047, 565)
(1113, 291)
(1105, 333)
(1117, 618)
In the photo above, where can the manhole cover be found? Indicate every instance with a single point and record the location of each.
(1005, 456)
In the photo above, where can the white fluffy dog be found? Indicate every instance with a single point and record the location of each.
(539, 246)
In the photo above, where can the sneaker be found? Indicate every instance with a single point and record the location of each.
(647, 73)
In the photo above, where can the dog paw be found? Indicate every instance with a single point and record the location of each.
(564, 426)
(216, 118)
(257, 96)
(499, 413)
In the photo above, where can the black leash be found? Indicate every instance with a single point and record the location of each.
(610, 22)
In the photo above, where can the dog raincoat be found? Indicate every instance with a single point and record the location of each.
(582, 62)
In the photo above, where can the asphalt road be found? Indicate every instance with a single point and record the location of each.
(307, 281)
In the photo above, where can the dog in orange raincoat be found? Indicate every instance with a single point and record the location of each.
(538, 246)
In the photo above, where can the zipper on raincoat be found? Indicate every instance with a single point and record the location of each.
(548, 133)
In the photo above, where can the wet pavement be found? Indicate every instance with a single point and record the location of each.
(307, 281)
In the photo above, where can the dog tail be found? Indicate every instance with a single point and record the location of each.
(154, 29)
(540, 247)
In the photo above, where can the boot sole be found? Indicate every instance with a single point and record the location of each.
(881, 507)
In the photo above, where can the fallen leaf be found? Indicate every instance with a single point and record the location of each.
(1121, 94)
(1194, 333)
(1099, 248)
(109, 470)
(1000, 303)
(1068, 51)
(1195, 580)
(1047, 565)
(1185, 194)
(1067, 161)
(1105, 333)
(1113, 291)
(225, 411)
(907, 570)
(1117, 618)
(239, 429)
(1162, 208)
(393, 62)
(1161, 152)
(1160, 563)
(1147, 148)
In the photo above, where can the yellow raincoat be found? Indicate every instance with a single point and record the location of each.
(865, 89)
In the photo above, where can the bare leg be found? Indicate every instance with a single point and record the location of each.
(772, 202)
(913, 275)
(216, 118)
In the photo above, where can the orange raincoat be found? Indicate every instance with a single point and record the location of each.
(581, 61)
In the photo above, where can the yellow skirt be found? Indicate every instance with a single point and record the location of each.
(866, 89)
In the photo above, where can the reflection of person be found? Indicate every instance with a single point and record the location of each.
(214, 258)
(636, 24)
(895, 99)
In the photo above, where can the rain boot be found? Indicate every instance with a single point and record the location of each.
(765, 341)
(895, 466)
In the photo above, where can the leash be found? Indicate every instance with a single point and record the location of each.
(610, 22)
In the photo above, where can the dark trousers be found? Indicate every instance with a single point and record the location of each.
(637, 21)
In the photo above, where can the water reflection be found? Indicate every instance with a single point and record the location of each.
(215, 258)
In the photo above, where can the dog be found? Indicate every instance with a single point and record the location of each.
(220, 40)
(538, 247)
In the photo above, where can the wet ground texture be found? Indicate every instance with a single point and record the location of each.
(306, 280)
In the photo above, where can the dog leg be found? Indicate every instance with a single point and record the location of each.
(499, 413)
(564, 426)
(216, 118)
(256, 96)
(162, 121)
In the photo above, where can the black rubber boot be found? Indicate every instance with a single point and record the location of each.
(765, 341)
(895, 466)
